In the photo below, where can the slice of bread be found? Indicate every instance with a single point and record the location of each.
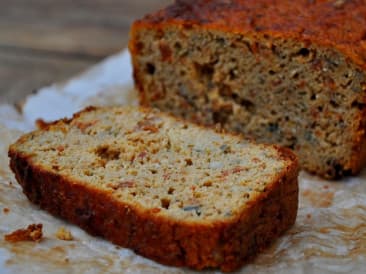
(287, 72)
(172, 191)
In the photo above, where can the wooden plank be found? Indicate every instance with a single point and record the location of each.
(97, 28)
(23, 73)
(42, 41)
(82, 40)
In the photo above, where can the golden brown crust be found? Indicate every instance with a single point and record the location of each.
(320, 21)
(44, 125)
(226, 245)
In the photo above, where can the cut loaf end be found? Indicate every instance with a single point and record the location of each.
(170, 190)
(202, 60)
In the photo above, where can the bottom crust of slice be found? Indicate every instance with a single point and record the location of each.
(226, 245)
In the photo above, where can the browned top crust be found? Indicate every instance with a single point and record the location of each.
(340, 24)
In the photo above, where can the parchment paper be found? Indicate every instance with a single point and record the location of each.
(329, 235)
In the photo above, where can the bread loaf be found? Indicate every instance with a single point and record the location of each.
(170, 190)
(281, 71)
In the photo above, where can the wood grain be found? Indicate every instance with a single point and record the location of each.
(44, 41)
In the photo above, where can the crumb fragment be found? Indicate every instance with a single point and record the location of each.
(41, 124)
(6, 210)
(32, 233)
(64, 234)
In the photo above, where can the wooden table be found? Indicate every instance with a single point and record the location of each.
(42, 41)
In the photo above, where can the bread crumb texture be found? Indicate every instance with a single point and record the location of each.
(140, 157)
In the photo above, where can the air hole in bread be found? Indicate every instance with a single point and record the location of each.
(177, 46)
(247, 104)
(304, 52)
(165, 203)
(233, 74)
(171, 190)
(188, 161)
(204, 71)
(359, 105)
(150, 68)
(107, 153)
(304, 55)
(333, 103)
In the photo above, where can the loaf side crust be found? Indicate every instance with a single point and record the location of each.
(319, 22)
(226, 245)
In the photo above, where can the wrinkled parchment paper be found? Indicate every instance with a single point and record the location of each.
(329, 235)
